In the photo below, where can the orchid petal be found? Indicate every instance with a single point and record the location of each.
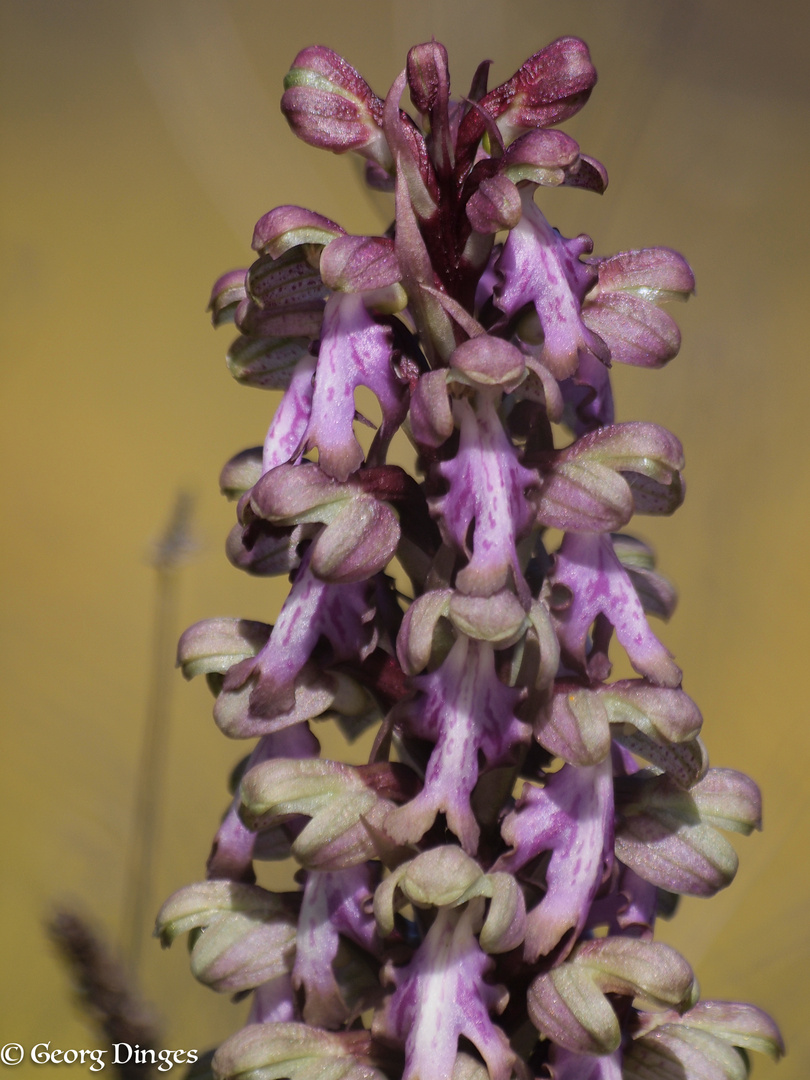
(586, 565)
(571, 817)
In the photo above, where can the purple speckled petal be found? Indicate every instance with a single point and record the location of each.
(587, 566)
(341, 613)
(463, 708)
(487, 485)
(538, 266)
(286, 296)
(334, 903)
(572, 817)
(288, 430)
(355, 350)
(441, 995)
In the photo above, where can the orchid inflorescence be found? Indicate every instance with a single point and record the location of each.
(478, 900)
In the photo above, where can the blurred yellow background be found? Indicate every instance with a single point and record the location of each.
(141, 141)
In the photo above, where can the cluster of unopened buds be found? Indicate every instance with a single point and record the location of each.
(478, 900)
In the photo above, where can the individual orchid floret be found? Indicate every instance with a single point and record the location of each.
(262, 549)
(314, 282)
(660, 724)
(447, 877)
(335, 908)
(270, 690)
(598, 482)
(569, 1004)
(551, 86)
(249, 933)
(710, 1040)
(487, 488)
(355, 350)
(465, 710)
(498, 619)
(538, 267)
(591, 582)
(361, 533)
(329, 105)
(669, 836)
(347, 806)
(571, 817)
(622, 308)
(442, 996)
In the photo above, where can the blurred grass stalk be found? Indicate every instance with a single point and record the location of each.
(169, 555)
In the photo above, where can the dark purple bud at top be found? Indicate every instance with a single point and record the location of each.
(428, 76)
(549, 87)
(329, 105)
(429, 82)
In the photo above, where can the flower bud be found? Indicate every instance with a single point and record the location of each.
(329, 105)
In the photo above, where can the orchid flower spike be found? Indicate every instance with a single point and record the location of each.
(478, 900)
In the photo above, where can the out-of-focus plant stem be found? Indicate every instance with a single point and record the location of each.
(169, 555)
